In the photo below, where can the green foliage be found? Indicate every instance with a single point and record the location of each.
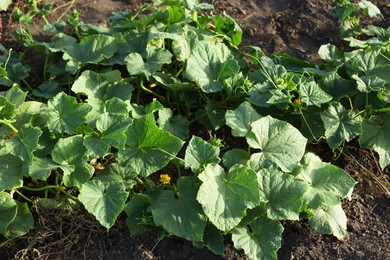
(119, 106)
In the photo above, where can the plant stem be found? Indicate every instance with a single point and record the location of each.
(162, 98)
(382, 110)
(9, 124)
(24, 197)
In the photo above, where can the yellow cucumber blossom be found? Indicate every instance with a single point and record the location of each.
(165, 179)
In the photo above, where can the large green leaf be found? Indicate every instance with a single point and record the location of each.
(375, 135)
(14, 95)
(282, 193)
(91, 49)
(340, 124)
(103, 200)
(327, 183)
(311, 94)
(11, 174)
(65, 114)
(15, 217)
(39, 168)
(261, 239)
(237, 191)
(199, 153)
(241, 118)
(117, 173)
(176, 125)
(281, 144)
(148, 148)
(102, 85)
(6, 108)
(8, 211)
(155, 58)
(235, 156)
(182, 216)
(370, 61)
(71, 156)
(25, 142)
(329, 220)
(204, 65)
(111, 133)
(139, 219)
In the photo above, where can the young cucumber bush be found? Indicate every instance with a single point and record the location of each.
(115, 109)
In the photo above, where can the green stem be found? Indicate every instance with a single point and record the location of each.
(47, 187)
(162, 98)
(70, 196)
(9, 56)
(24, 197)
(138, 179)
(382, 110)
(9, 124)
(308, 126)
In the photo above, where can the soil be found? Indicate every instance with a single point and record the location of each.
(297, 28)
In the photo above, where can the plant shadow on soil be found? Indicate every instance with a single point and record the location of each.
(294, 27)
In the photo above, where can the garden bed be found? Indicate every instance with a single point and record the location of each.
(298, 29)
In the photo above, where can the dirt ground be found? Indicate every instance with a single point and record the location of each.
(284, 26)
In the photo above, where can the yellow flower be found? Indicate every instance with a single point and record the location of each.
(297, 101)
(165, 179)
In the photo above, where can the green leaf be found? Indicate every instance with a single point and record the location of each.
(8, 211)
(369, 8)
(138, 220)
(240, 119)
(155, 58)
(281, 144)
(330, 220)
(367, 84)
(182, 216)
(176, 125)
(311, 94)
(213, 239)
(39, 168)
(15, 217)
(282, 194)
(102, 86)
(375, 135)
(370, 61)
(199, 153)
(237, 191)
(6, 108)
(204, 65)
(235, 156)
(117, 173)
(228, 69)
(11, 174)
(14, 95)
(71, 156)
(340, 124)
(327, 183)
(215, 114)
(65, 114)
(25, 142)
(111, 133)
(91, 49)
(261, 239)
(329, 52)
(103, 200)
(47, 90)
(226, 25)
(331, 83)
(148, 148)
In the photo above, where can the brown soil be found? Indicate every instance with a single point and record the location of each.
(294, 27)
